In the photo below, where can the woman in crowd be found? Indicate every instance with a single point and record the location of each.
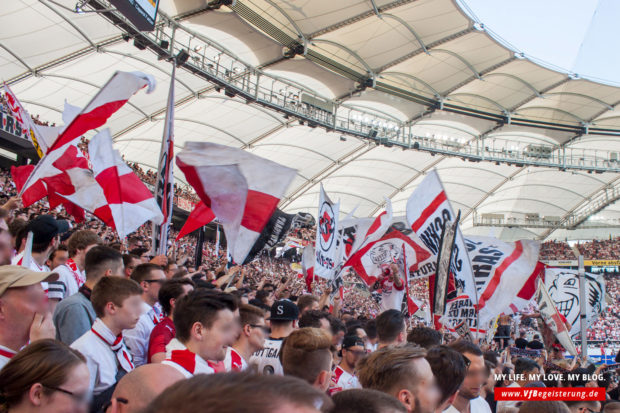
(47, 376)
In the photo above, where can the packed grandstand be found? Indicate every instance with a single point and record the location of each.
(297, 218)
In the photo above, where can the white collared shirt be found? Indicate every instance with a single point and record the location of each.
(137, 338)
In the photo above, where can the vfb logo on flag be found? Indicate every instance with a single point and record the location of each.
(326, 226)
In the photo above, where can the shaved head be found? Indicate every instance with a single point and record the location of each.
(142, 385)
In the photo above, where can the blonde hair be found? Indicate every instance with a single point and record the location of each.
(306, 353)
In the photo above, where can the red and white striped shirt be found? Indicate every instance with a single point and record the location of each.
(234, 361)
(6, 354)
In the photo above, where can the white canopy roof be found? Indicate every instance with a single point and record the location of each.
(434, 71)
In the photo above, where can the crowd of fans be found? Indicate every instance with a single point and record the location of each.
(608, 249)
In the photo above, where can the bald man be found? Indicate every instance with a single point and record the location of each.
(140, 386)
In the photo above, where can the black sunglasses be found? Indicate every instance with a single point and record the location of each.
(265, 329)
(160, 281)
(467, 361)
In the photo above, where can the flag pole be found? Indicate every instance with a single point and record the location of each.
(165, 181)
(582, 302)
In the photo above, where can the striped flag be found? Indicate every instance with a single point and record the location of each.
(164, 189)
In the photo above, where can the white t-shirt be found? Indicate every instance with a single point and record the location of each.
(477, 405)
(391, 296)
(234, 361)
(267, 360)
(342, 380)
(502, 404)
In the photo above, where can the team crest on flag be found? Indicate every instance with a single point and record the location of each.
(326, 237)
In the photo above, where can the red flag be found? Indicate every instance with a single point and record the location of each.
(242, 189)
(200, 216)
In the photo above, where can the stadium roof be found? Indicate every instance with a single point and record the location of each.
(396, 88)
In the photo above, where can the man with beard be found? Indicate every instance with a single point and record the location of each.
(404, 373)
(468, 399)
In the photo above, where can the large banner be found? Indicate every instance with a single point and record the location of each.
(461, 310)
(427, 210)
(505, 274)
(563, 287)
(327, 253)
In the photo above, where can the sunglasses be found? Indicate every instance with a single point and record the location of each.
(265, 329)
(159, 281)
(467, 361)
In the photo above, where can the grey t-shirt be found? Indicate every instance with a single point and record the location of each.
(73, 317)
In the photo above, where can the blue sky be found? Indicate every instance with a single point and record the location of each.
(580, 36)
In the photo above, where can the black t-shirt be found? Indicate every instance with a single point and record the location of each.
(535, 345)
(521, 343)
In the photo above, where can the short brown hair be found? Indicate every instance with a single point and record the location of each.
(261, 394)
(80, 240)
(250, 314)
(367, 401)
(200, 306)
(143, 271)
(389, 367)
(306, 353)
(112, 290)
(305, 301)
(48, 362)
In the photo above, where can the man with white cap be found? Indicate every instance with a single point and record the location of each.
(24, 310)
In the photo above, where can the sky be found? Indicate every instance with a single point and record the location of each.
(578, 36)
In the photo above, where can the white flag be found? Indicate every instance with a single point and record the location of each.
(553, 319)
(327, 253)
(427, 210)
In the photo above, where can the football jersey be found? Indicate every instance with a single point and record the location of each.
(267, 360)
(233, 361)
(342, 380)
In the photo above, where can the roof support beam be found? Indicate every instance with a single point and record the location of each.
(584, 202)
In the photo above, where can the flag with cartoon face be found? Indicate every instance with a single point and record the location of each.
(563, 287)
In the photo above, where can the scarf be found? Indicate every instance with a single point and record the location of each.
(116, 343)
(79, 279)
(154, 316)
(177, 353)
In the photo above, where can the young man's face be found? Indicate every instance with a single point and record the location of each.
(258, 334)
(219, 337)
(153, 284)
(60, 258)
(131, 266)
(128, 314)
(353, 354)
(426, 393)
(474, 379)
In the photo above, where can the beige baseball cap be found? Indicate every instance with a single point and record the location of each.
(12, 276)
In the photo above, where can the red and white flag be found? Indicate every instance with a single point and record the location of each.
(427, 210)
(358, 232)
(553, 319)
(242, 189)
(108, 100)
(370, 260)
(128, 201)
(200, 216)
(328, 251)
(505, 274)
